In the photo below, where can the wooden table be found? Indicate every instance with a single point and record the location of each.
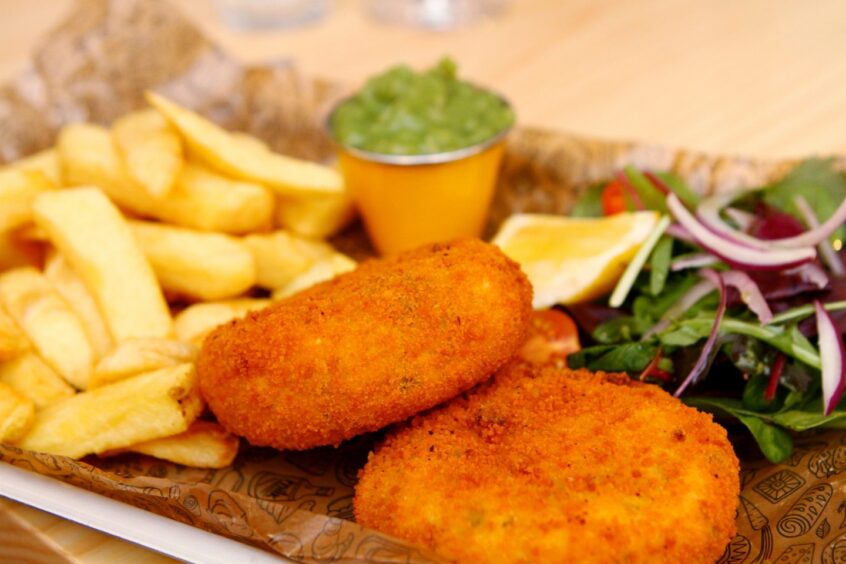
(758, 77)
(29, 535)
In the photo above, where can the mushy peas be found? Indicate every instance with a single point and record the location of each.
(403, 112)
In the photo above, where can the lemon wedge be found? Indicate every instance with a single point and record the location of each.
(570, 260)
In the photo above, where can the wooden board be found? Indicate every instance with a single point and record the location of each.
(28, 535)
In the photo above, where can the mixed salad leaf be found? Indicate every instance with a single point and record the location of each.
(738, 302)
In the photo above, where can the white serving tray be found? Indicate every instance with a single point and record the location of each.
(152, 531)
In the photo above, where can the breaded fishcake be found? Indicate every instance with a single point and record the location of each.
(543, 464)
(369, 348)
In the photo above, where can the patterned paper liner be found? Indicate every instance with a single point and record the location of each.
(95, 67)
(296, 503)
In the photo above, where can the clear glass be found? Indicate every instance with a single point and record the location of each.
(434, 14)
(271, 14)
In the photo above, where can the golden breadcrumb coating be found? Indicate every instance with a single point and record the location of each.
(369, 348)
(543, 464)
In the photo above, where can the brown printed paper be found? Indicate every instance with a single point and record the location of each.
(296, 503)
(95, 67)
(794, 512)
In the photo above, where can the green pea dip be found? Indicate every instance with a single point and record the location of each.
(403, 112)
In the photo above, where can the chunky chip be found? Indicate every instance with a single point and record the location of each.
(196, 264)
(70, 286)
(50, 324)
(100, 231)
(31, 377)
(231, 155)
(208, 201)
(16, 414)
(195, 322)
(200, 199)
(150, 148)
(88, 157)
(13, 343)
(204, 445)
(138, 356)
(46, 162)
(323, 269)
(100, 246)
(142, 408)
(17, 250)
(18, 190)
(280, 256)
(320, 216)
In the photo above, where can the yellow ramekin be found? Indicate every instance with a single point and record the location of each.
(410, 200)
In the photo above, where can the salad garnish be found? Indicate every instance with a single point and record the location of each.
(736, 302)
(831, 353)
(831, 258)
(705, 357)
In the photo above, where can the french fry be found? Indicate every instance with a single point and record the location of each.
(248, 140)
(151, 150)
(200, 199)
(280, 256)
(70, 286)
(208, 201)
(13, 343)
(88, 157)
(46, 162)
(31, 233)
(322, 270)
(231, 155)
(50, 324)
(135, 410)
(319, 217)
(100, 246)
(88, 359)
(195, 322)
(204, 445)
(18, 189)
(17, 414)
(196, 264)
(31, 377)
(137, 356)
(16, 249)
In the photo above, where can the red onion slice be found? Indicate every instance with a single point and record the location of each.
(750, 293)
(832, 355)
(693, 261)
(735, 253)
(812, 273)
(741, 218)
(709, 213)
(831, 258)
(680, 233)
(702, 361)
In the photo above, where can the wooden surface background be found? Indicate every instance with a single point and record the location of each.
(761, 78)
(755, 77)
(28, 535)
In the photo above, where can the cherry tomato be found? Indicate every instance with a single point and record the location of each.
(614, 198)
(552, 336)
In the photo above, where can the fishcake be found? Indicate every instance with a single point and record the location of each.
(371, 347)
(544, 464)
